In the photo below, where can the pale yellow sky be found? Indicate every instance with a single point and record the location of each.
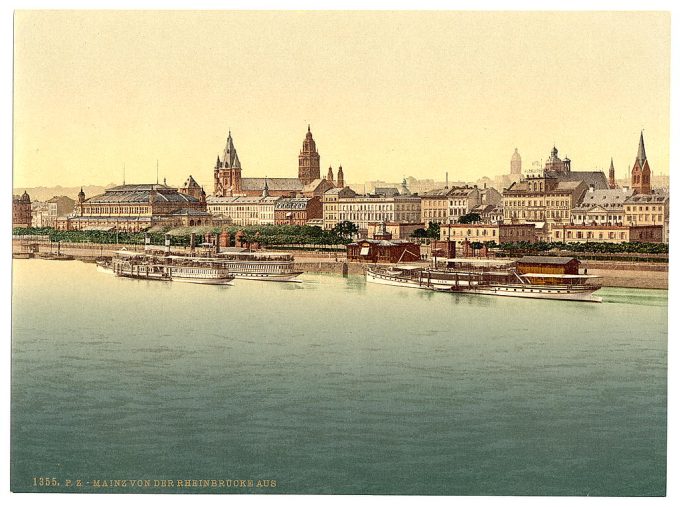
(388, 94)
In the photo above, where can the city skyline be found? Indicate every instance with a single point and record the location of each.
(387, 94)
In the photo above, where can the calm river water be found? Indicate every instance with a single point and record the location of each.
(331, 386)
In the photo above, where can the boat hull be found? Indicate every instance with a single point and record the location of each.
(269, 277)
(527, 291)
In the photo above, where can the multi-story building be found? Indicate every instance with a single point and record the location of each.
(543, 200)
(330, 205)
(58, 207)
(133, 208)
(607, 233)
(601, 207)
(243, 210)
(500, 233)
(39, 214)
(488, 213)
(648, 209)
(363, 209)
(446, 206)
(297, 210)
(21, 210)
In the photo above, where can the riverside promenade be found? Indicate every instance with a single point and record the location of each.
(613, 273)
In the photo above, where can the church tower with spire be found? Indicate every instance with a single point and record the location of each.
(309, 168)
(329, 176)
(228, 171)
(641, 174)
(612, 176)
(341, 178)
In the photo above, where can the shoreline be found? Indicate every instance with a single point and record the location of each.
(614, 273)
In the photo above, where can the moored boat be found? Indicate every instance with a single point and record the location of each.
(165, 268)
(495, 278)
(242, 264)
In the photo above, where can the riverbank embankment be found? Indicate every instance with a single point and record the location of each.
(613, 273)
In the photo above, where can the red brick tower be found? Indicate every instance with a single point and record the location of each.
(228, 171)
(641, 175)
(309, 168)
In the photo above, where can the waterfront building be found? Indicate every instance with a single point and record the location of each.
(607, 233)
(500, 233)
(21, 210)
(648, 209)
(389, 251)
(446, 206)
(330, 205)
(242, 210)
(543, 200)
(133, 208)
(297, 210)
(363, 209)
(601, 207)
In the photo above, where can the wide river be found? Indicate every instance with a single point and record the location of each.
(331, 386)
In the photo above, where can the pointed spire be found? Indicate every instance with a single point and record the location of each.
(611, 164)
(641, 155)
(309, 127)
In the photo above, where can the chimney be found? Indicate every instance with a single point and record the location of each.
(447, 179)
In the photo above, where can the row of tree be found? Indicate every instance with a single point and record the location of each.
(266, 235)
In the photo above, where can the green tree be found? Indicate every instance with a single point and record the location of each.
(470, 218)
(346, 229)
(433, 230)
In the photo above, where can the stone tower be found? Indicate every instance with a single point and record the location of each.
(612, 176)
(329, 176)
(228, 171)
(341, 178)
(309, 168)
(641, 175)
(516, 163)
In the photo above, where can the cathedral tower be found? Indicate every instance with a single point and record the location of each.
(341, 178)
(641, 175)
(329, 176)
(228, 171)
(309, 168)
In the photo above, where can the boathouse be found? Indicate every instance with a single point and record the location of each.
(373, 250)
(548, 265)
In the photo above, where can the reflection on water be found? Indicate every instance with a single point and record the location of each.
(335, 386)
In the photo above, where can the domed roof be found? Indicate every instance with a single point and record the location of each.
(516, 156)
(25, 197)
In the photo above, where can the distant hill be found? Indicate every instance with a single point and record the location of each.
(45, 193)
